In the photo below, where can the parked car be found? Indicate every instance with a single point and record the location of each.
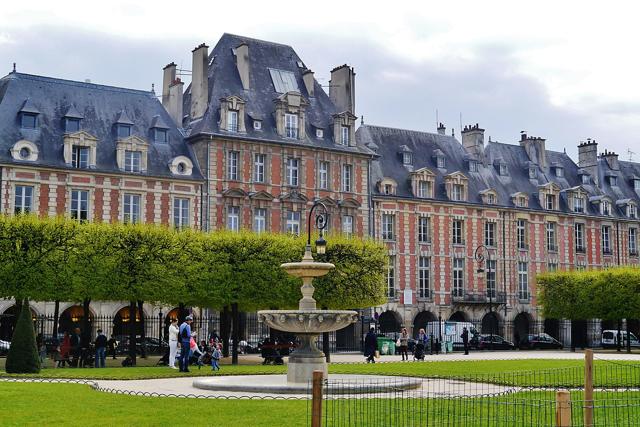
(609, 339)
(4, 347)
(493, 342)
(540, 341)
(152, 345)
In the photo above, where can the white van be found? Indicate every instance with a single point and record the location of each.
(609, 339)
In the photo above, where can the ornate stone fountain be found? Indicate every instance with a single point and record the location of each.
(307, 322)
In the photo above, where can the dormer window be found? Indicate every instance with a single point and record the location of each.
(232, 121)
(532, 173)
(605, 207)
(457, 191)
(559, 172)
(424, 189)
(319, 133)
(160, 135)
(473, 166)
(257, 124)
(586, 179)
(291, 126)
(387, 186)
(407, 158)
(71, 124)
(636, 184)
(521, 201)
(440, 162)
(578, 204)
(132, 161)
(388, 189)
(632, 210)
(503, 169)
(344, 135)
(28, 120)
(124, 131)
(613, 180)
(491, 199)
(550, 200)
(25, 153)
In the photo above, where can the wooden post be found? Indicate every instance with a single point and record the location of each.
(588, 388)
(316, 400)
(563, 409)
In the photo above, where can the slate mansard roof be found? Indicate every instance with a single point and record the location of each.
(224, 80)
(389, 143)
(99, 108)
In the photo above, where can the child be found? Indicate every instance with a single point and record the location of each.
(215, 357)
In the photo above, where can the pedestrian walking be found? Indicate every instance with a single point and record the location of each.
(404, 343)
(215, 357)
(42, 349)
(65, 348)
(101, 349)
(112, 344)
(76, 347)
(370, 344)
(185, 338)
(465, 340)
(421, 340)
(173, 342)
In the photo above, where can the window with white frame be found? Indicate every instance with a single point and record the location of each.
(491, 199)
(559, 172)
(473, 166)
(457, 228)
(550, 201)
(578, 204)
(551, 237)
(293, 222)
(388, 225)
(259, 162)
(23, 202)
(503, 169)
(523, 280)
(457, 192)
(132, 161)
(458, 277)
(391, 277)
(424, 229)
(521, 201)
(606, 239)
(180, 212)
(260, 220)
(586, 179)
(424, 277)
(291, 125)
(521, 233)
(552, 266)
(636, 184)
(233, 157)
(80, 205)
(440, 162)
(632, 210)
(388, 189)
(131, 213)
(292, 170)
(532, 173)
(490, 270)
(633, 241)
(233, 218)
(232, 121)
(344, 135)
(347, 225)
(605, 208)
(323, 175)
(80, 157)
(347, 178)
(407, 158)
(489, 233)
(579, 236)
(424, 189)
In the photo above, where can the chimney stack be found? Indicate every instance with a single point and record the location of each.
(342, 88)
(588, 158)
(174, 106)
(168, 77)
(242, 62)
(309, 82)
(473, 140)
(199, 81)
(535, 148)
(612, 160)
(441, 129)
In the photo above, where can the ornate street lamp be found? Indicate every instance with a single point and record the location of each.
(320, 221)
(481, 254)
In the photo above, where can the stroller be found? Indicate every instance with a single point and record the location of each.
(418, 351)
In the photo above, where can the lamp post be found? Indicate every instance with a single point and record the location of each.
(481, 254)
(160, 329)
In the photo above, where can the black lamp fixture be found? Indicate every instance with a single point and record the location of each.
(321, 223)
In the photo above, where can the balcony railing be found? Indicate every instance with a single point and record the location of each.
(478, 297)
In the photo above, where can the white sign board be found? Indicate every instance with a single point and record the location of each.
(408, 297)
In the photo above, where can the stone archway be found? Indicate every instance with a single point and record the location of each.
(459, 316)
(122, 322)
(389, 322)
(72, 317)
(521, 327)
(490, 324)
(421, 320)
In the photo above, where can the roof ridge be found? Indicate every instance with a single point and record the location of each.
(406, 130)
(255, 40)
(78, 83)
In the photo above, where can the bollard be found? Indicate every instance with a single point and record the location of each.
(316, 400)
(563, 409)
(588, 388)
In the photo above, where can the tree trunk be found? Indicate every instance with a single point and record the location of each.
(224, 330)
(236, 330)
(182, 313)
(143, 341)
(628, 336)
(325, 344)
(86, 326)
(132, 332)
(56, 315)
(619, 336)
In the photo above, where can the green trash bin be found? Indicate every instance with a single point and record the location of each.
(386, 346)
(449, 346)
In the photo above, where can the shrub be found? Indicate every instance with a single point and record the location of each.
(23, 353)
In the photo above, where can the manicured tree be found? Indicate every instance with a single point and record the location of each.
(23, 354)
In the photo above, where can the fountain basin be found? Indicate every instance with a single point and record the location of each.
(308, 321)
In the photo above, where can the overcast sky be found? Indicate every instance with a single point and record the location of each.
(562, 70)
